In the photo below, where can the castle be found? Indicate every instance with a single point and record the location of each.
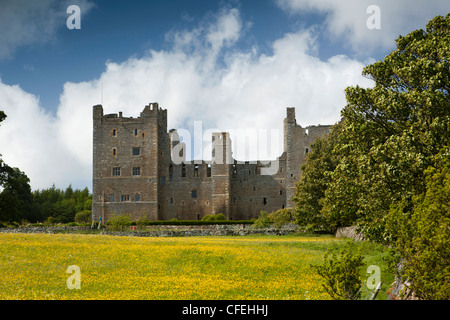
(134, 171)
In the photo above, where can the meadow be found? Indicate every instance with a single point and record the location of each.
(34, 266)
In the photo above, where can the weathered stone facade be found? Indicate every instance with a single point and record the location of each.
(134, 172)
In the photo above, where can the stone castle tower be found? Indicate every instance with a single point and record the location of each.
(140, 169)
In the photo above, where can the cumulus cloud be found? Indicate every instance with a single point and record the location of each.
(347, 19)
(202, 77)
(32, 22)
(29, 140)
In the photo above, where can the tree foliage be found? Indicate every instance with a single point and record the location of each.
(422, 227)
(386, 140)
(387, 167)
(61, 205)
(342, 274)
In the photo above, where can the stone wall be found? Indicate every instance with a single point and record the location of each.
(349, 232)
(162, 231)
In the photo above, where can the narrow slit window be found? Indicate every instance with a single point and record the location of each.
(196, 171)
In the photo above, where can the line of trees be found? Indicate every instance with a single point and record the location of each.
(385, 166)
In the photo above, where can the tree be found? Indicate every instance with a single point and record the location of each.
(15, 198)
(423, 233)
(393, 130)
(315, 178)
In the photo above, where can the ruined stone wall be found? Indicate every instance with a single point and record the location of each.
(253, 192)
(185, 196)
(297, 144)
(150, 183)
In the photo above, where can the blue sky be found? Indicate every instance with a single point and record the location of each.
(116, 30)
(230, 64)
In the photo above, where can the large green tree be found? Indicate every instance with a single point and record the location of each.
(315, 178)
(393, 130)
(422, 227)
(15, 195)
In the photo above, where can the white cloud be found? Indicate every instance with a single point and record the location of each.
(25, 22)
(244, 90)
(346, 19)
(29, 140)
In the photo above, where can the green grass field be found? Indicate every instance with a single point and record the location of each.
(34, 266)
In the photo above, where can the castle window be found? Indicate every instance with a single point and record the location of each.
(171, 200)
(194, 193)
(136, 151)
(183, 170)
(208, 171)
(196, 171)
(136, 171)
(111, 198)
(281, 192)
(170, 172)
(116, 171)
(135, 132)
(114, 132)
(114, 151)
(265, 201)
(306, 150)
(125, 197)
(137, 197)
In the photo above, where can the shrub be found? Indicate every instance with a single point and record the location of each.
(264, 221)
(214, 217)
(84, 216)
(281, 217)
(342, 273)
(142, 222)
(117, 222)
